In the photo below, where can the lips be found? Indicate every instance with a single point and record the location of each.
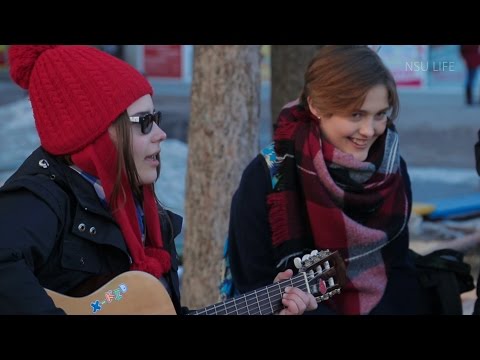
(154, 156)
(359, 142)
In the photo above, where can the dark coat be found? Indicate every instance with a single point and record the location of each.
(55, 234)
(251, 253)
(476, 310)
(471, 54)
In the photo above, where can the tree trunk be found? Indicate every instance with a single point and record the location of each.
(289, 63)
(222, 139)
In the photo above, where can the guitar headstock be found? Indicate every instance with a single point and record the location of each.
(325, 272)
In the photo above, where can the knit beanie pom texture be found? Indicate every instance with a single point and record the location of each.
(76, 91)
(24, 58)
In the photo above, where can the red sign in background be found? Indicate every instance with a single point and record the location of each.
(163, 61)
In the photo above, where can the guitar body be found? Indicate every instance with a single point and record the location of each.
(130, 293)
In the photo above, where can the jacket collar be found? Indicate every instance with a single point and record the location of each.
(41, 162)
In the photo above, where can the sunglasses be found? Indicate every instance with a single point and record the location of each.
(146, 121)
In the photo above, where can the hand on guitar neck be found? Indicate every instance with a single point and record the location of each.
(296, 301)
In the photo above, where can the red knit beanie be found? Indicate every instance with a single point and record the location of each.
(76, 91)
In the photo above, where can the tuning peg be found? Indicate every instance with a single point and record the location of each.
(314, 252)
(297, 262)
(305, 257)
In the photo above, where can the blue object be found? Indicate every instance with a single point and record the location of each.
(461, 206)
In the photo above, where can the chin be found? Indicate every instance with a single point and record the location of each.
(361, 156)
(148, 179)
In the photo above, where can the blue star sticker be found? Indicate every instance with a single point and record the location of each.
(96, 306)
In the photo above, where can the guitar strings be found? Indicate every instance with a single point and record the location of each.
(265, 302)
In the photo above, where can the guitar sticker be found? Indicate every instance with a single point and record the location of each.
(110, 295)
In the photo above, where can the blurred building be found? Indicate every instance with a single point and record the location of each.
(413, 66)
(424, 66)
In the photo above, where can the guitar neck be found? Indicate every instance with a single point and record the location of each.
(263, 301)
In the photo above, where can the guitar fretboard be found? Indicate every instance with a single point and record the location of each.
(264, 301)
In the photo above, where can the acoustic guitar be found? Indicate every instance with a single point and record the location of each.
(139, 293)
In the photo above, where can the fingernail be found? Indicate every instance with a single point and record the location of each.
(287, 289)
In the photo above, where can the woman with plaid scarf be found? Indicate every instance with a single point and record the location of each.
(332, 179)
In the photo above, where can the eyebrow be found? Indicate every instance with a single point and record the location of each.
(365, 111)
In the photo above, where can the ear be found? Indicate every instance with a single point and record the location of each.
(313, 110)
(113, 133)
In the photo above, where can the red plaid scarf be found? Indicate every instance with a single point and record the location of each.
(328, 198)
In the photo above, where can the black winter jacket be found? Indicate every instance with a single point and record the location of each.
(55, 234)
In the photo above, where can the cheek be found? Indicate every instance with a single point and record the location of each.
(342, 134)
(381, 127)
(137, 154)
(138, 144)
(138, 148)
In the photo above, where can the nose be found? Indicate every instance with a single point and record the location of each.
(367, 129)
(157, 133)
